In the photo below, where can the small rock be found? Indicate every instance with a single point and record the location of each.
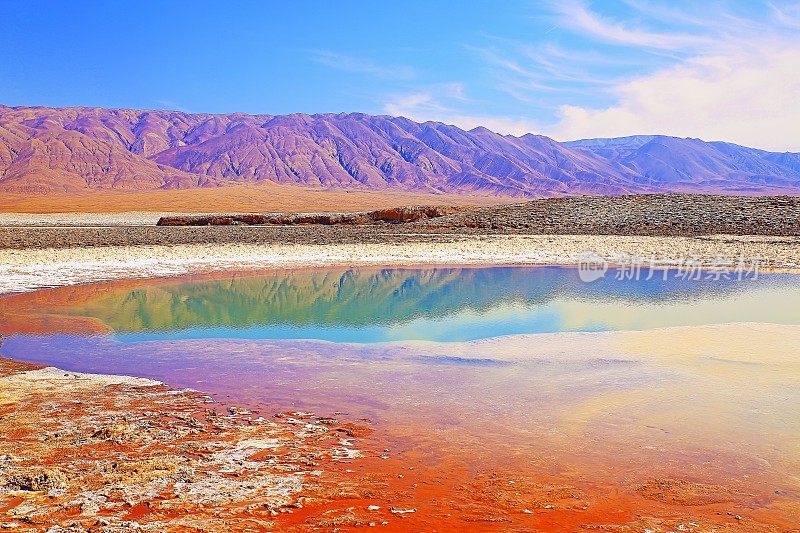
(36, 479)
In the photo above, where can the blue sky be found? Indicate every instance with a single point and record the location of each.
(568, 68)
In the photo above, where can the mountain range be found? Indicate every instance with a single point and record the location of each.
(47, 150)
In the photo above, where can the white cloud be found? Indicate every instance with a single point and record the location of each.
(434, 100)
(747, 96)
(709, 72)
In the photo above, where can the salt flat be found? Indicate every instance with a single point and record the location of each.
(28, 269)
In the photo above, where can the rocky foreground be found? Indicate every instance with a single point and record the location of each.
(652, 215)
(88, 453)
(83, 452)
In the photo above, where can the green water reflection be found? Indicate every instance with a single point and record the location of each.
(445, 304)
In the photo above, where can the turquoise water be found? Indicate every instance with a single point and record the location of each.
(183, 330)
(286, 339)
(445, 305)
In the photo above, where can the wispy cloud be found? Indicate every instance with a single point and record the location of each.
(667, 13)
(716, 71)
(363, 66)
(533, 77)
(710, 73)
(786, 15)
(576, 15)
(511, 66)
(602, 51)
(432, 101)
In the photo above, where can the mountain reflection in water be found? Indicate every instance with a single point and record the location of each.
(440, 304)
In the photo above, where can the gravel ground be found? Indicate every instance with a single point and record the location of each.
(68, 237)
(645, 215)
(656, 215)
(663, 228)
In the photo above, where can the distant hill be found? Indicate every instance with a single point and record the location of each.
(671, 162)
(48, 150)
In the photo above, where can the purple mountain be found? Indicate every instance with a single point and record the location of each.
(77, 149)
(672, 163)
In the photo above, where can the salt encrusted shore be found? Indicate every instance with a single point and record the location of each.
(86, 452)
(22, 270)
(81, 452)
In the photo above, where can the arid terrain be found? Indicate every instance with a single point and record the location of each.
(645, 215)
(87, 452)
(655, 214)
(232, 199)
(104, 453)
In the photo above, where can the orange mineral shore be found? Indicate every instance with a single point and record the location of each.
(96, 451)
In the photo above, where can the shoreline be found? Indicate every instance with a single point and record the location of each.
(30, 269)
(159, 457)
